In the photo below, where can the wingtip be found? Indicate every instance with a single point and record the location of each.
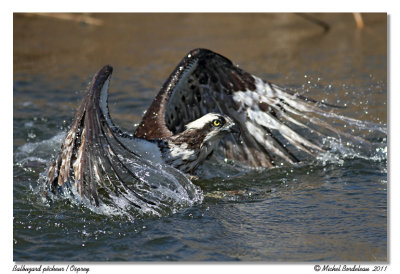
(100, 77)
(205, 53)
(107, 69)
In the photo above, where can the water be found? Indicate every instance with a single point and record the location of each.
(327, 210)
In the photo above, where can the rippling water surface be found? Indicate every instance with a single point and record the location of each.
(331, 209)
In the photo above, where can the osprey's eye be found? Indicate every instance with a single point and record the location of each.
(216, 123)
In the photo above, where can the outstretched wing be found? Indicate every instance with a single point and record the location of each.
(273, 122)
(99, 162)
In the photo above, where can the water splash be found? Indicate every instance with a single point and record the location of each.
(38, 151)
(166, 189)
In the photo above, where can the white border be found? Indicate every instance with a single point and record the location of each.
(8, 7)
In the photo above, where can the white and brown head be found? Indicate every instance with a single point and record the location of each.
(188, 149)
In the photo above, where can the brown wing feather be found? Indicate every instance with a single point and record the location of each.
(181, 99)
(205, 82)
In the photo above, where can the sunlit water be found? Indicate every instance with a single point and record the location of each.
(333, 208)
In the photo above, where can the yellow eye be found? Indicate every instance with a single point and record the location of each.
(216, 123)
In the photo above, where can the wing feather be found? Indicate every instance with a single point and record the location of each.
(97, 162)
(271, 119)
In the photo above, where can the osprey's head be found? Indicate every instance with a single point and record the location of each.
(188, 149)
(211, 127)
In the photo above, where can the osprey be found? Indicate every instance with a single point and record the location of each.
(203, 102)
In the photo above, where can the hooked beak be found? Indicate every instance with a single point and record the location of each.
(234, 128)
